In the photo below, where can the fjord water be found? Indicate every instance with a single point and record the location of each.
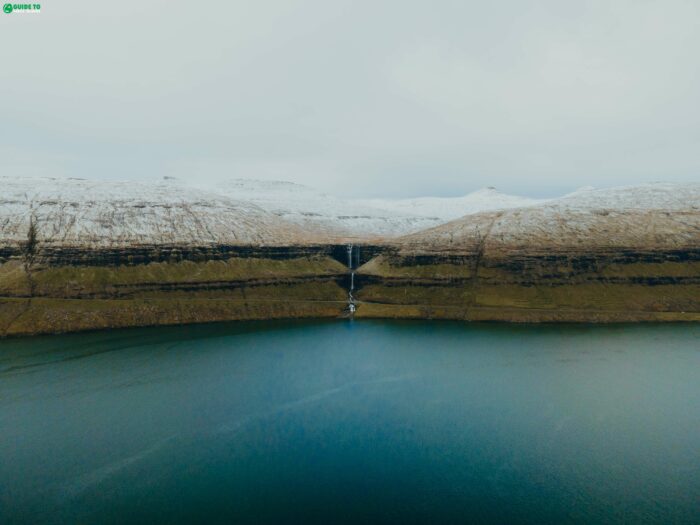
(353, 422)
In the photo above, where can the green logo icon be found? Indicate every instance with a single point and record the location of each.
(7, 8)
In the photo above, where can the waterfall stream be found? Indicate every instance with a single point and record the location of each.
(351, 299)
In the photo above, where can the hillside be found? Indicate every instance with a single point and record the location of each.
(652, 216)
(333, 216)
(362, 219)
(621, 254)
(78, 254)
(101, 214)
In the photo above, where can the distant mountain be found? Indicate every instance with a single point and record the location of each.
(448, 208)
(332, 216)
(356, 218)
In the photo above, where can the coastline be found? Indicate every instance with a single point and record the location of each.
(51, 294)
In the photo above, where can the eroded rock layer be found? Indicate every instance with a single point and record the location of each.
(41, 296)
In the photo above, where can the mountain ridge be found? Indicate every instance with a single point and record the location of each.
(79, 255)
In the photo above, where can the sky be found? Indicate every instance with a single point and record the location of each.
(363, 99)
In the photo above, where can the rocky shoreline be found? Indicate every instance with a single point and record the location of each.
(306, 282)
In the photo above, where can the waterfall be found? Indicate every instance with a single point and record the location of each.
(351, 299)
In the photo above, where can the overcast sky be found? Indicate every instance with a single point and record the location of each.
(393, 98)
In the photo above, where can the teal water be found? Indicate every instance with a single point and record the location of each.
(353, 422)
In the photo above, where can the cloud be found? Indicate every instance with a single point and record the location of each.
(367, 98)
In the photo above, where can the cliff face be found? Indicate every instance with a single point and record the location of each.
(79, 255)
(627, 254)
(47, 297)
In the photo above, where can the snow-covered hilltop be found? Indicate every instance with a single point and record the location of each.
(78, 212)
(649, 216)
(357, 218)
(450, 208)
(333, 216)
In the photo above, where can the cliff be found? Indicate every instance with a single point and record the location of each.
(625, 254)
(78, 255)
